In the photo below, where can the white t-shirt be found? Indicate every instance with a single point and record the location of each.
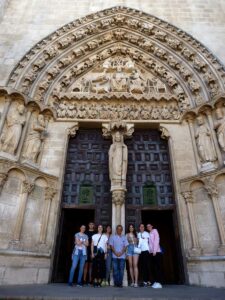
(143, 241)
(102, 242)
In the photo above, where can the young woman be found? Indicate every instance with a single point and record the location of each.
(109, 255)
(143, 243)
(155, 256)
(88, 265)
(79, 255)
(132, 256)
(99, 253)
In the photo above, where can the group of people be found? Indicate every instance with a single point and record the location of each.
(98, 252)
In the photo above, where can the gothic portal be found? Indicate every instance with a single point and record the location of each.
(117, 117)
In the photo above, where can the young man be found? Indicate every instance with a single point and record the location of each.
(118, 243)
(88, 265)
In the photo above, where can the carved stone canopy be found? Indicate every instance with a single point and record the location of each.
(109, 129)
(118, 46)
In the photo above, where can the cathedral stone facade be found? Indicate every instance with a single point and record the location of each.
(117, 116)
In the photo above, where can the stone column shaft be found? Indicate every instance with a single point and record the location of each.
(49, 194)
(21, 142)
(5, 112)
(191, 129)
(27, 187)
(196, 249)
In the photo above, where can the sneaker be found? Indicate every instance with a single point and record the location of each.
(157, 285)
(79, 285)
(145, 284)
(132, 285)
(103, 283)
(149, 283)
(135, 285)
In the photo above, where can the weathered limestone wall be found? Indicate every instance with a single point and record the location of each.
(3, 6)
(25, 22)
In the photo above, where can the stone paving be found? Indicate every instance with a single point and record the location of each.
(64, 292)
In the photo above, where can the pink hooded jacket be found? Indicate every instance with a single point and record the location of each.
(154, 239)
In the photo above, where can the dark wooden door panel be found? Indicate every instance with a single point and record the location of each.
(87, 175)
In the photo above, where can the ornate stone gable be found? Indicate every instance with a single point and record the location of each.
(64, 58)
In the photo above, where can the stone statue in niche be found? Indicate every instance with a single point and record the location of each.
(220, 128)
(14, 124)
(35, 139)
(204, 141)
(118, 156)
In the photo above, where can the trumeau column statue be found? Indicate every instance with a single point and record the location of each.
(118, 159)
(118, 155)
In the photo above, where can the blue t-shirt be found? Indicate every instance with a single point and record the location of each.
(118, 242)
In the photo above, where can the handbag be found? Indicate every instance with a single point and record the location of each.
(137, 250)
(96, 247)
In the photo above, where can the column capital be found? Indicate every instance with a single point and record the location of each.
(118, 197)
(72, 130)
(126, 129)
(27, 187)
(50, 193)
(188, 196)
(211, 187)
(3, 179)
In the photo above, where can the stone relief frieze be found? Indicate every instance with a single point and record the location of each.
(123, 110)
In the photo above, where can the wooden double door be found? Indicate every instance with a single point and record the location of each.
(86, 194)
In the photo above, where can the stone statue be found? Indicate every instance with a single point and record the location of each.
(220, 128)
(12, 133)
(204, 140)
(136, 83)
(118, 155)
(119, 81)
(34, 139)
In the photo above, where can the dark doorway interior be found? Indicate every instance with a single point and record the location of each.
(163, 220)
(71, 220)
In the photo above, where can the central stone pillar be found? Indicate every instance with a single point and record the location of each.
(118, 159)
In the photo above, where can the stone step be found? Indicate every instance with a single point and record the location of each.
(63, 292)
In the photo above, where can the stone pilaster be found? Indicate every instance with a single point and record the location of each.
(196, 249)
(26, 189)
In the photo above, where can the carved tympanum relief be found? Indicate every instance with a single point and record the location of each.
(75, 49)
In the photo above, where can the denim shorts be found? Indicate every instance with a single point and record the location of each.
(130, 250)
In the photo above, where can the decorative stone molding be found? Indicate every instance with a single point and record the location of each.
(181, 62)
(50, 193)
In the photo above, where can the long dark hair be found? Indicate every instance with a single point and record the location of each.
(134, 232)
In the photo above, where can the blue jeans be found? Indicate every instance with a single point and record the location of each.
(108, 263)
(118, 270)
(76, 258)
